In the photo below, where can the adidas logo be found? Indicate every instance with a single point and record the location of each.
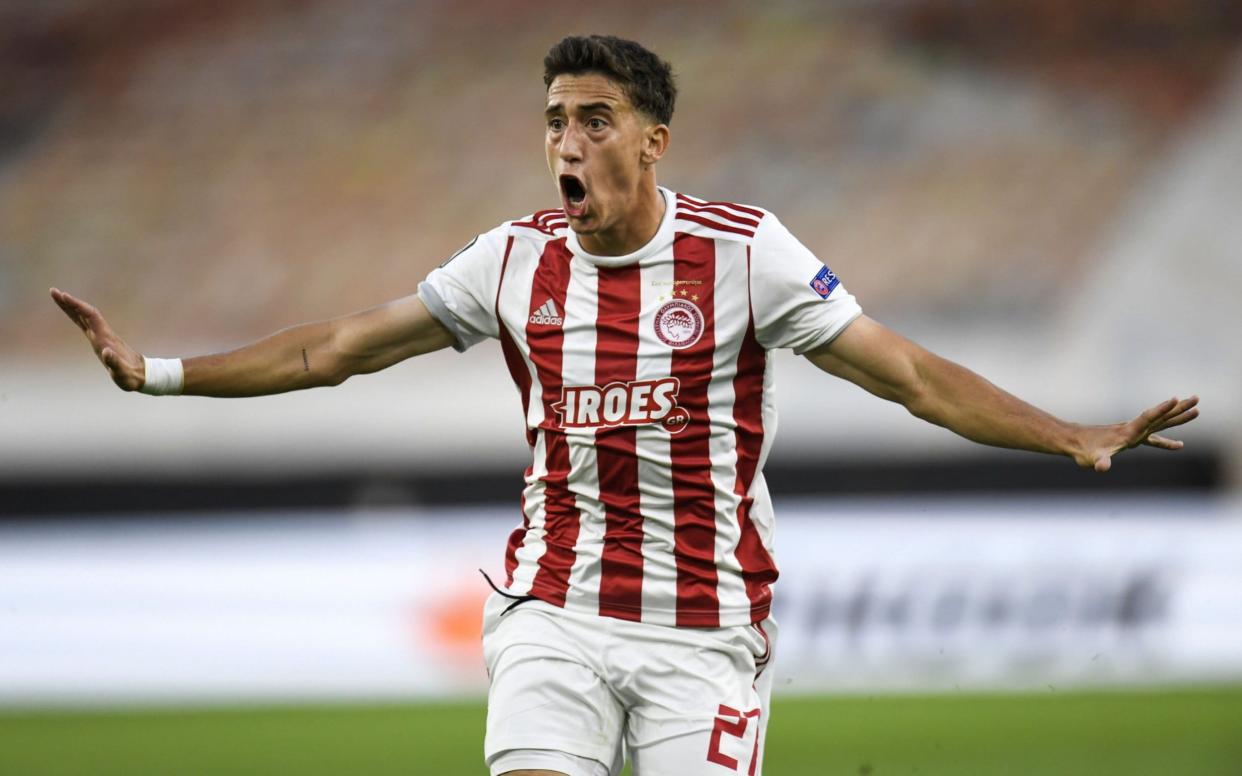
(547, 315)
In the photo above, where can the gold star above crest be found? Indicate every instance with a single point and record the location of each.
(694, 297)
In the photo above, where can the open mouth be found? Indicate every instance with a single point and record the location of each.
(574, 194)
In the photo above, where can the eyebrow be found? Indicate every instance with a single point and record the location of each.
(590, 107)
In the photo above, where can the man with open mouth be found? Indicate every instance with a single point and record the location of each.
(633, 620)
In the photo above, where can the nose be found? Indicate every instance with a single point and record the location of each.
(570, 147)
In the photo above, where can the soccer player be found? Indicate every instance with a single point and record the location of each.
(637, 324)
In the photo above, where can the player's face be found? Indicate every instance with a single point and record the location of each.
(599, 148)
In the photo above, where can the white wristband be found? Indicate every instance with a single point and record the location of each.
(165, 376)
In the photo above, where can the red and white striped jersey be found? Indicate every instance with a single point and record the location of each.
(649, 404)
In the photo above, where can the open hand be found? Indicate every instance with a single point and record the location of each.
(1100, 443)
(124, 364)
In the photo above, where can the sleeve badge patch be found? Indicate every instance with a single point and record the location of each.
(823, 282)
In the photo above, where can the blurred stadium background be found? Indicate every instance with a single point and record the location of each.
(1048, 191)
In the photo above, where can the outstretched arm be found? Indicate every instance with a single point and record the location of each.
(942, 392)
(304, 356)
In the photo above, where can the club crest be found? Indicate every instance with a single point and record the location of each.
(679, 323)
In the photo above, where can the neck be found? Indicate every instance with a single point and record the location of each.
(634, 229)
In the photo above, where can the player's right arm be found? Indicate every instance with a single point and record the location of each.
(304, 356)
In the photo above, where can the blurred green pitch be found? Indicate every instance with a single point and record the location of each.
(1186, 733)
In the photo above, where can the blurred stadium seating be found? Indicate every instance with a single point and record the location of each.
(225, 156)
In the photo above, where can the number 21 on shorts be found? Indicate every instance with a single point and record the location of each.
(732, 723)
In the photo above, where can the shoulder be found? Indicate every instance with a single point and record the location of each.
(719, 220)
(540, 225)
(494, 244)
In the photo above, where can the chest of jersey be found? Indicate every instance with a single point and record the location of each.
(640, 344)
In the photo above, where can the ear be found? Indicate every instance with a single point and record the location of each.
(655, 143)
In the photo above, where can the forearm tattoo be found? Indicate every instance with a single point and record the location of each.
(305, 361)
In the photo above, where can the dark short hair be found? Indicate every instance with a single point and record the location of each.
(645, 78)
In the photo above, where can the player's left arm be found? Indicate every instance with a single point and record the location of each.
(939, 391)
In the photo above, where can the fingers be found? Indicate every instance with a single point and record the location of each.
(1151, 416)
(1165, 415)
(1142, 430)
(1181, 405)
(1164, 443)
(1181, 412)
(81, 313)
(66, 303)
(1177, 420)
(1173, 408)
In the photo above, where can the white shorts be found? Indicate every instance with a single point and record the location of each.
(675, 701)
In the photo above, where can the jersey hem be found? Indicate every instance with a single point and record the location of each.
(694, 618)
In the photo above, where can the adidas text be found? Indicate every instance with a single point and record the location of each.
(547, 315)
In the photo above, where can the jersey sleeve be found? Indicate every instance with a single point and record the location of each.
(461, 292)
(797, 302)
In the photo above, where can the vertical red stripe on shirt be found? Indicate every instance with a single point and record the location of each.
(616, 360)
(546, 342)
(513, 356)
(521, 379)
(758, 568)
(694, 497)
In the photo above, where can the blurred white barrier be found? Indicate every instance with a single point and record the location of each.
(874, 596)
(988, 594)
